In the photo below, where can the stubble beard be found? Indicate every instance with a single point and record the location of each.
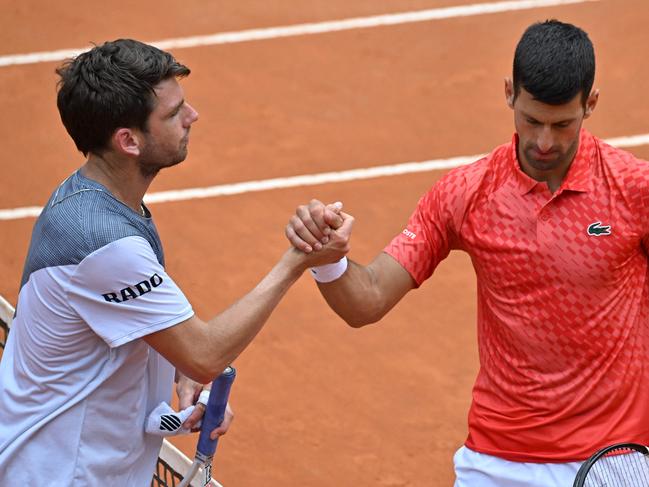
(562, 159)
(152, 161)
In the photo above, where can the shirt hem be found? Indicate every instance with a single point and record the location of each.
(523, 457)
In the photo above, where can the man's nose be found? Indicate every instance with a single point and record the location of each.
(545, 141)
(192, 115)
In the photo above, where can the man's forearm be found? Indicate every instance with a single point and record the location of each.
(232, 330)
(202, 350)
(352, 296)
(364, 294)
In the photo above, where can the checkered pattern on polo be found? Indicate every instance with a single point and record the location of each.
(563, 297)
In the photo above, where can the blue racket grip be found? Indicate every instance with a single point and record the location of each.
(215, 411)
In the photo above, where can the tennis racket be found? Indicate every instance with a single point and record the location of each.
(214, 414)
(619, 465)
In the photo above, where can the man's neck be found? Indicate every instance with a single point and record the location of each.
(553, 179)
(121, 177)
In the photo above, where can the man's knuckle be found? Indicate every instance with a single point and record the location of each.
(296, 223)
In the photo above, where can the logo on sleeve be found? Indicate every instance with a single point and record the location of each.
(597, 229)
(134, 291)
(409, 234)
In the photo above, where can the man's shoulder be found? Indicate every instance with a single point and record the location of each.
(482, 174)
(618, 157)
(84, 213)
(79, 219)
(612, 163)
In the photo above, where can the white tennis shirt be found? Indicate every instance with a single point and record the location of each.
(76, 380)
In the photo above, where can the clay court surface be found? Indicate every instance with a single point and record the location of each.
(317, 403)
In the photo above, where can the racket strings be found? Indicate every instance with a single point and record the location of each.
(620, 468)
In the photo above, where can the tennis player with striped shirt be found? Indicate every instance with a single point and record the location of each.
(557, 226)
(100, 326)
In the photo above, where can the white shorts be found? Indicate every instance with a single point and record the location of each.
(473, 469)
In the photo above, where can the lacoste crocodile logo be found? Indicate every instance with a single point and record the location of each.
(597, 229)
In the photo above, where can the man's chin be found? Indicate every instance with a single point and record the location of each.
(153, 169)
(173, 163)
(544, 164)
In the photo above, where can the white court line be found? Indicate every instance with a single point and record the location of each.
(310, 179)
(311, 28)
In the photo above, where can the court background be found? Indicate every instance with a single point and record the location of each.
(317, 403)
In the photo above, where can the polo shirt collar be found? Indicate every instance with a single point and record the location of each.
(579, 174)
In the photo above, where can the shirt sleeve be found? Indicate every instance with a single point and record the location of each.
(123, 293)
(432, 230)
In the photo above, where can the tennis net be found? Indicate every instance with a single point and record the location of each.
(172, 463)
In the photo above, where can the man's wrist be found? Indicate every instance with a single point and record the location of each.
(329, 272)
(203, 397)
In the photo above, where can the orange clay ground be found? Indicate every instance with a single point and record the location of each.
(317, 403)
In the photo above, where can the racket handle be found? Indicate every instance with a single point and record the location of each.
(215, 412)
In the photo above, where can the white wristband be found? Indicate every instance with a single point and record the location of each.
(203, 397)
(329, 272)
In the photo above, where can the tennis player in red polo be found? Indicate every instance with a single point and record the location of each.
(556, 223)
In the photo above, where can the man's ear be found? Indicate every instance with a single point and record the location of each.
(127, 141)
(591, 103)
(509, 92)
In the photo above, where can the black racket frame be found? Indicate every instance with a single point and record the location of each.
(588, 464)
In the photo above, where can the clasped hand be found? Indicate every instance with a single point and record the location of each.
(320, 231)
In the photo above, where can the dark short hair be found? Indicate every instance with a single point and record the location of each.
(111, 86)
(554, 62)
